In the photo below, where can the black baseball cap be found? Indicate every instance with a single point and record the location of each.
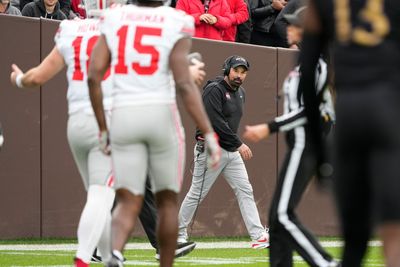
(237, 61)
(297, 17)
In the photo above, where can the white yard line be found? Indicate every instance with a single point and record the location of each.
(200, 245)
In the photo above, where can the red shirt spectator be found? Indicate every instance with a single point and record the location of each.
(78, 8)
(211, 17)
(239, 14)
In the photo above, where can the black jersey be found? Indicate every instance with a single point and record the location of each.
(365, 37)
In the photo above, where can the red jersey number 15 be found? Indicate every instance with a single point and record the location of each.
(121, 67)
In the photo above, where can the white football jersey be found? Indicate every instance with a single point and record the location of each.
(140, 40)
(75, 40)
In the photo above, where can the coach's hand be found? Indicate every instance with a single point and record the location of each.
(213, 150)
(104, 142)
(245, 152)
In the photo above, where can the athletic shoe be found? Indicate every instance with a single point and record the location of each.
(95, 259)
(181, 240)
(181, 250)
(117, 260)
(80, 263)
(262, 242)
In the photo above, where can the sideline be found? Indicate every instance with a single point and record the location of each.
(200, 245)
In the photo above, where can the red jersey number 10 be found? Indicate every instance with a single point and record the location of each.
(78, 74)
(121, 67)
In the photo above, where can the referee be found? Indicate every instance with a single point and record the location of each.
(286, 231)
(223, 100)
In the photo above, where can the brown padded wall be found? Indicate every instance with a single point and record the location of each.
(20, 117)
(49, 183)
(63, 194)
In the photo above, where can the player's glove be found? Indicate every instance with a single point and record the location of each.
(104, 142)
(213, 150)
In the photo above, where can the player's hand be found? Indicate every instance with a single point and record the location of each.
(15, 72)
(104, 142)
(255, 133)
(213, 150)
(197, 72)
(245, 152)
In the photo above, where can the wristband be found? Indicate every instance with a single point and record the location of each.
(18, 80)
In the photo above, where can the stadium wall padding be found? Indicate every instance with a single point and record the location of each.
(42, 193)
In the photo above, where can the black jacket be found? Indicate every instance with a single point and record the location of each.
(262, 14)
(224, 107)
(37, 9)
(243, 33)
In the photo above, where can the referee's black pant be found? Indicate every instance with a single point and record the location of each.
(286, 232)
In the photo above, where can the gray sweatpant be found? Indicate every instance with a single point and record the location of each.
(234, 171)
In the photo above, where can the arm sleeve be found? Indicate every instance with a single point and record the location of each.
(28, 11)
(213, 102)
(240, 13)
(22, 3)
(223, 19)
(288, 121)
(261, 12)
(184, 6)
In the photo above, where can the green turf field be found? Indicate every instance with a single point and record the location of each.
(215, 253)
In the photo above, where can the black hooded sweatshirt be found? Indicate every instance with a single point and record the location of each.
(224, 107)
(37, 9)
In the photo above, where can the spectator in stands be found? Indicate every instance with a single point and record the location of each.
(211, 17)
(49, 9)
(7, 8)
(15, 3)
(263, 15)
(243, 33)
(65, 5)
(281, 23)
(238, 15)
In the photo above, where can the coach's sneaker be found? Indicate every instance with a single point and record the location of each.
(181, 250)
(262, 242)
(117, 260)
(182, 240)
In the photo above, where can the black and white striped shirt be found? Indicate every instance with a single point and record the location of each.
(294, 113)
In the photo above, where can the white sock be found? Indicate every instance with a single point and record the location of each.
(104, 245)
(93, 220)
